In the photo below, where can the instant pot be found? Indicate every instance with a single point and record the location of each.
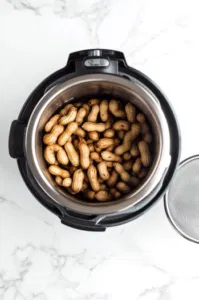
(92, 73)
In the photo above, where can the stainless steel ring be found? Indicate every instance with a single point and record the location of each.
(133, 91)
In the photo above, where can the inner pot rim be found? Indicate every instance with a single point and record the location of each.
(55, 96)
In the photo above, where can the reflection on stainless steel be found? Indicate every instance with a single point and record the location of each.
(95, 52)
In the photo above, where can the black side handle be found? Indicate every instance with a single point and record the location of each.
(96, 61)
(16, 139)
(81, 224)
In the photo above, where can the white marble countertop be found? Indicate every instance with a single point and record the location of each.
(146, 259)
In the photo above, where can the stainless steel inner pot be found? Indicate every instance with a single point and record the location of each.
(91, 86)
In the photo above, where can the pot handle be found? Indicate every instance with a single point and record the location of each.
(82, 224)
(77, 222)
(95, 61)
(16, 138)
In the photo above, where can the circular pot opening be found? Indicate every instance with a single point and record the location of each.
(85, 87)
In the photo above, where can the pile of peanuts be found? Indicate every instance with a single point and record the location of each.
(100, 148)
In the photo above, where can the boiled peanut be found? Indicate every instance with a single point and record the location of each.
(79, 104)
(62, 157)
(121, 134)
(66, 109)
(104, 110)
(130, 112)
(109, 156)
(96, 157)
(84, 185)
(49, 154)
(87, 108)
(80, 115)
(129, 137)
(57, 171)
(97, 149)
(109, 133)
(92, 117)
(137, 166)
(135, 130)
(145, 153)
(126, 144)
(70, 129)
(134, 181)
(51, 123)
(116, 194)
(80, 132)
(78, 178)
(125, 176)
(102, 196)
(109, 122)
(89, 141)
(94, 135)
(91, 147)
(147, 138)
(72, 154)
(109, 164)
(121, 125)
(67, 182)
(128, 165)
(58, 180)
(81, 140)
(145, 128)
(127, 156)
(89, 194)
(114, 109)
(103, 171)
(90, 126)
(84, 155)
(70, 139)
(105, 142)
(51, 138)
(113, 179)
(110, 148)
(142, 173)
(123, 187)
(70, 190)
(100, 180)
(103, 187)
(141, 118)
(70, 117)
(116, 141)
(134, 150)
(93, 102)
(92, 176)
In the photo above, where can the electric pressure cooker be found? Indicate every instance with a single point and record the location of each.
(91, 73)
